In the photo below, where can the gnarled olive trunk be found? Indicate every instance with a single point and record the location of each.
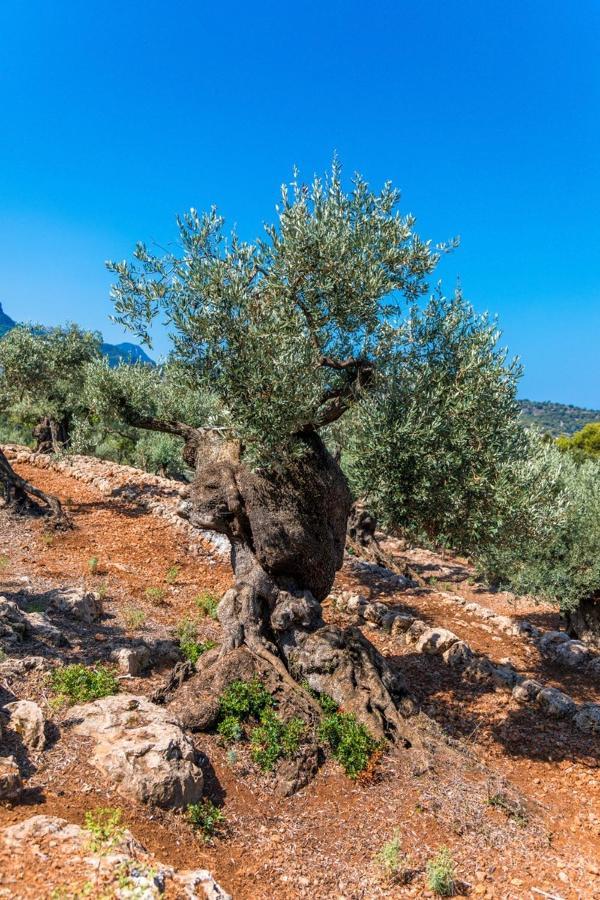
(583, 622)
(287, 529)
(21, 496)
(51, 435)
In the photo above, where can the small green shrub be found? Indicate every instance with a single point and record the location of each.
(133, 617)
(207, 603)
(273, 738)
(155, 594)
(4, 563)
(93, 565)
(172, 574)
(327, 703)
(102, 591)
(104, 825)
(390, 858)
(78, 683)
(230, 729)
(350, 742)
(245, 699)
(441, 873)
(192, 649)
(206, 817)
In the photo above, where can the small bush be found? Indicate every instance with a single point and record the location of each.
(441, 873)
(172, 574)
(350, 742)
(207, 603)
(390, 858)
(93, 565)
(274, 738)
(155, 594)
(245, 699)
(192, 649)
(4, 563)
(78, 683)
(327, 703)
(102, 591)
(104, 825)
(230, 729)
(206, 817)
(133, 617)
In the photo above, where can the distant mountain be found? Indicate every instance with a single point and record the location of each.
(6, 323)
(115, 353)
(556, 418)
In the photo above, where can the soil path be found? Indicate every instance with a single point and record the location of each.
(322, 842)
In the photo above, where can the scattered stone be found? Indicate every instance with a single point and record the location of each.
(571, 654)
(44, 630)
(458, 656)
(587, 718)
(142, 748)
(15, 667)
(86, 607)
(415, 631)
(504, 676)
(14, 625)
(357, 603)
(401, 623)
(132, 660)
(436, 641)
(375, 612)
(11, 784)
(27, 719)
(555, 703)
(527, 691)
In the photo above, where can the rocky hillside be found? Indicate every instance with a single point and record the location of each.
(556, 418)
(101, 787)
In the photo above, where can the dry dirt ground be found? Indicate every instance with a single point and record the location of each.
(322, 842)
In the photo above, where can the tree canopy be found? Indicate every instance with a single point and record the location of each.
(286, 331)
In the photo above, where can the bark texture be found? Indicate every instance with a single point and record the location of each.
(287, 530)
(584, 622)
(22, 497)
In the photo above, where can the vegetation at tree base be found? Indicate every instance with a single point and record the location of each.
(206, 817)
(349, 741)
(556, 419)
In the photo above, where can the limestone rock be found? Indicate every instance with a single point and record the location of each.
(14, 626)
(415, 631)
(401, 623)
(45, 631)
(555, 703)
(436, 641)
(27, 719)
(86, 607)
(11, 784)
(458, 655)
(132, 660)
(142, 748)
(588, 718)
(527, 691)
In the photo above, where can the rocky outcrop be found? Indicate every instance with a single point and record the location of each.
(11, 783)
(142, 749)
(84, 606)
(27, 720)
(120, 867)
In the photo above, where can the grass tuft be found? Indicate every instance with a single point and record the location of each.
(78, 683)
(441, 873)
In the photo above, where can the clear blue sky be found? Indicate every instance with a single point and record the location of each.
(115, 116)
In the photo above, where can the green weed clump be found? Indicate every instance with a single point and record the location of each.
(4, 563)
(155, 594)
(207, 603)
(104, 825)
(190, 646)
(133, 618)
(78, 683)
(172, 574)
(93, 565)
(270, 738)
(441, 873)
(350, 742)
(390, 858)
(206, 817)
(273, 738)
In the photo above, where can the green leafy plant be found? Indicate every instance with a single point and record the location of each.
(35, 606)
(390, 858)
(93, 565)
(133, 617)
(102, 590)
(207, 818)
(441, 873)
(192, 649)
(172, 574)
(104, 825)
(273, 739)
(230, 729)
(78, 683)
(245, 699)
(207, 603)
(4, 563)
(350, 742)
(155, 594)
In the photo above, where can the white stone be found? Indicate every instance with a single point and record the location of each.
(27, 719)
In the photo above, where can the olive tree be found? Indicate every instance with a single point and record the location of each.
(288, 332)
(41, 375)
(426, 446)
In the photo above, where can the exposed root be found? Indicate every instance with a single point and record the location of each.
(21, 496)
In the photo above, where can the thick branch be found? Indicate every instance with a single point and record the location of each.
(18, 491)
